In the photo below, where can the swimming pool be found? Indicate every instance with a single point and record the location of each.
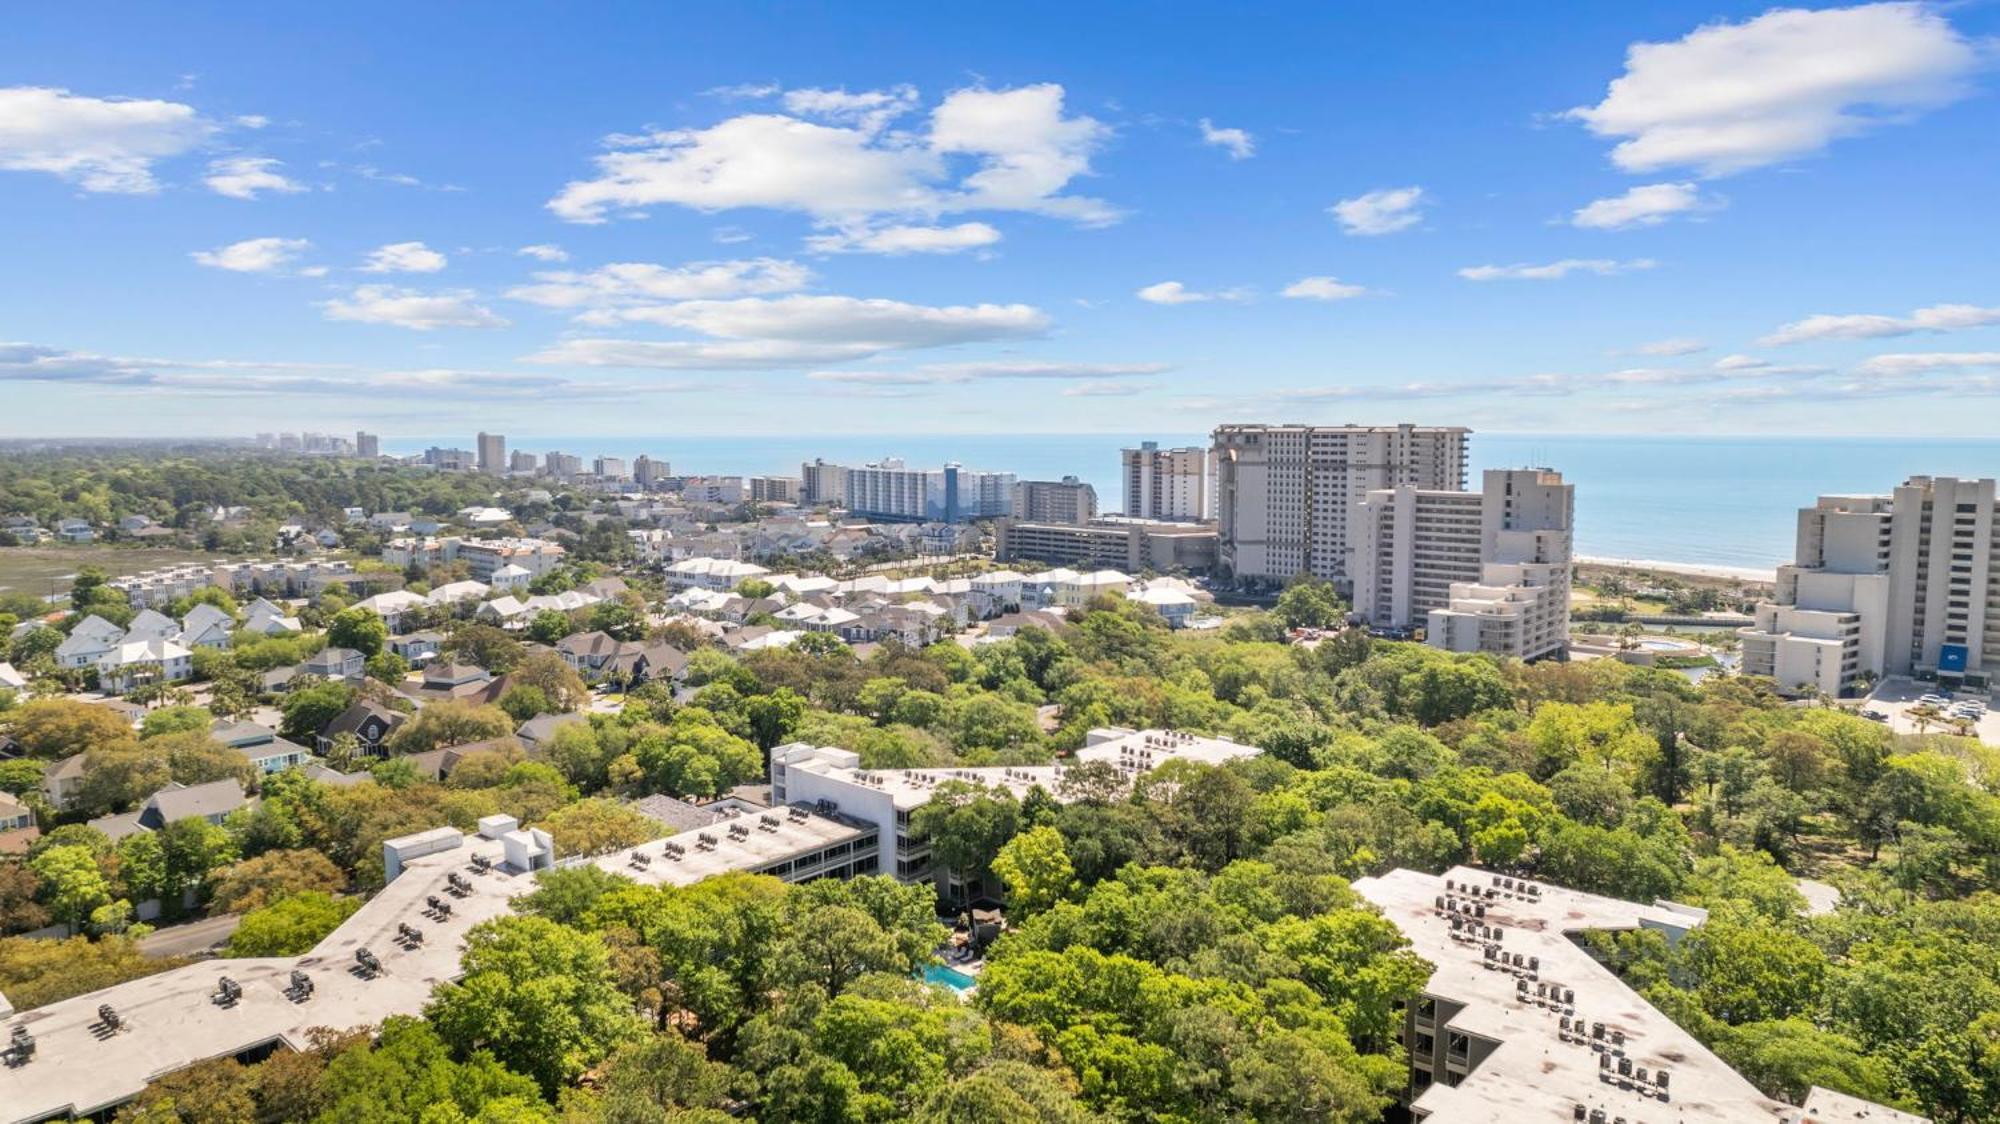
(949, 977)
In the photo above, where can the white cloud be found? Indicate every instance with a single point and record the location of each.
(408, 308)
(1322, 289)
(1240, 144)
(1173, 292)
(1936, 318)
(940, 374)
(253, 121)
(1100, 389)
(1649, 205)
(876, 323)
(544, 251)
(844, 169)
(99, 144)
(1681, 345)
(1555, 270)
(871, 110)
(1733, 96)
(1914, 363)
(403, 257)
(794, 331)
(628, 283)
(254, 255)
(899, 240)
(242, 177)
(1380, 212)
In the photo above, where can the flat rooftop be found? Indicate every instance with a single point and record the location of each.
(1534, 1072)
(173, 1020)
(1132, 751)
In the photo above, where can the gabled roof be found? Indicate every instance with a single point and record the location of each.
(351, 720)
(328, 660)
(594, 643)
(542, 727)
(203, 617)
(151, 624)
(201, 800)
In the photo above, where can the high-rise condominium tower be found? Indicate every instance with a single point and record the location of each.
(1284, 494)
(492, 453)
(1166, 483)
(1902, 584)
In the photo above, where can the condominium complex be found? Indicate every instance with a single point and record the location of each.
(1284, 494)
(892, 491)
(367, 445)
(1484, 571)
(1118, 543)
(1166, 483)
(774, 489)
(492, 453)
(648, 472)
(822, 483)
(562, 466)
(609, 468)
(1068, 500)
(1902, 584)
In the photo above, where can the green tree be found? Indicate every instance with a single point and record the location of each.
(308, 709)
(289, 926)
(538, 995)
(72, 883)
(1309, 602)
(267, 878)
(1036, 869)
(359, 629)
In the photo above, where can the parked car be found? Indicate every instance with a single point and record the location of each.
(1873, 715)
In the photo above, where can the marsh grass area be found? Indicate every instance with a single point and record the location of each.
(32, 569)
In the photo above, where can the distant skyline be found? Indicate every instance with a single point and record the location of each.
(751, 219)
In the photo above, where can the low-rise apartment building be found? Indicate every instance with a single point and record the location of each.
(1117, 542)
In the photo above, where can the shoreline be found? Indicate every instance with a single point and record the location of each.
(1688, 569)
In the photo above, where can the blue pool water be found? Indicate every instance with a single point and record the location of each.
(949, 977)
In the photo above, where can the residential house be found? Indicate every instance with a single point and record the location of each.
(417, 648)
(14, 815)
(62, 779)
(343, 665)
(453, 593)
(369, 722)
(511, 576)
(88, 642)
(1174, 606)
(447, 680)
(75, 531)
(393, 607)
(10, 679)
(261, 745)
(711, 573)
(211, 802)
(536, 732)
(136, 662)
(206, 626)
(151, 624)
(265, 618)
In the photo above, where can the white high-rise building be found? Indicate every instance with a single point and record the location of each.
(1484, 571)
(492, 453)
(891, 490)
(1902, 584)
(1170, 484)
(1284, 494)
(610, 468)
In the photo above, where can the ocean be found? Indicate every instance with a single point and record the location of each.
(1710, 501)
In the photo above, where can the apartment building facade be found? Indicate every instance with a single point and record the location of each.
(892, 491)
(1169, 484)
(1125, 544)
(1901, 584)
(1484, 571)
(1068, 500)
(1285, 494)
(492, 453)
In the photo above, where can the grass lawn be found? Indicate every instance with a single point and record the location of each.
(31, 569)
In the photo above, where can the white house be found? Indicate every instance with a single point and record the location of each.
(88, 643)
(512, 576)
(1175, 607)
(206, 626)
(151, 624)
(712, 573)
(135, 662)
(393, 606)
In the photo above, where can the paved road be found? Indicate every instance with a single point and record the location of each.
(193, 937)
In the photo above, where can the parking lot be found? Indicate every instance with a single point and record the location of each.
(1896, 697)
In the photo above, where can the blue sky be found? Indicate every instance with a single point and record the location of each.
(642, 219)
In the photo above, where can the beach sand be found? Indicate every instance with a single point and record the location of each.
(1731, 573)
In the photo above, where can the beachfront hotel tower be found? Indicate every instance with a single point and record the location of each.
(1285, 494)
(1484, 571)
(1901, 584)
